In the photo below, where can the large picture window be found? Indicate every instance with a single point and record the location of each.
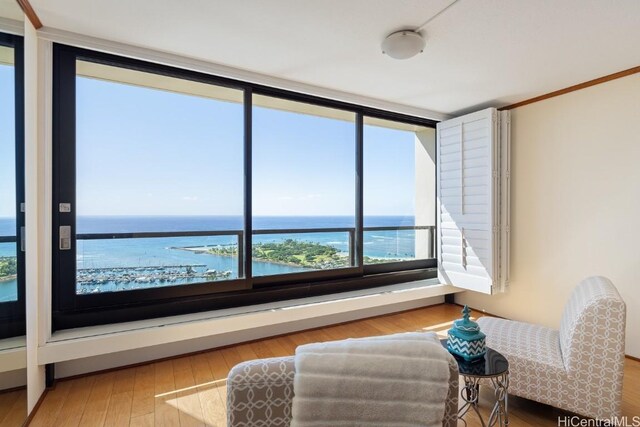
(11, 188)
(176, 191)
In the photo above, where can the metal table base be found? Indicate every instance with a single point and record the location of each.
(470, 393)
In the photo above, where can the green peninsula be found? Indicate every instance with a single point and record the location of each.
(8, 267)
(297, 253)
(300, 253)
(292, 252)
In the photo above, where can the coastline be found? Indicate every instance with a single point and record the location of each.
(8, 278)
(206, 250)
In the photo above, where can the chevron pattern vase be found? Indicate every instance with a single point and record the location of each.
(468, 350)
(465, 340)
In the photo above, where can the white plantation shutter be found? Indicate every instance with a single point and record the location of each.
(505, 201)
(472, 235)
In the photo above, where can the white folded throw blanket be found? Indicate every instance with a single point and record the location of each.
(394, 380)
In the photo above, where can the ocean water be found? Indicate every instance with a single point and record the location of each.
(8, 288)
(144, 256)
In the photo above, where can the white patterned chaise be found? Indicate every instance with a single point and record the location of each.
(260, 393)
(578, 368)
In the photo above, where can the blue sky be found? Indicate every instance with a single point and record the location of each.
(7, 142)
(143, 151)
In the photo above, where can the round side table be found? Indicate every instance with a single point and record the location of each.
(493, 366)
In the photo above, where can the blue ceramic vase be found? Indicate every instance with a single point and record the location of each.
(465, 340)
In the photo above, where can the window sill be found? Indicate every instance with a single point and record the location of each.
(13, 355)
(98, 340)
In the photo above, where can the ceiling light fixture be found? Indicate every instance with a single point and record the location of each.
(405, 44)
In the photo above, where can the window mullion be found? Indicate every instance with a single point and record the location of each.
(248, 209)
(359, 233)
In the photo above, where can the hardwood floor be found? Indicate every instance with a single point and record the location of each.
(13, 408)
(191, 390)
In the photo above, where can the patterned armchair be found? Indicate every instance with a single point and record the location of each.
(260, 394)
(578, 368)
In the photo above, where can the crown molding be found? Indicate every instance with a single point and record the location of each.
(11, 26)
(573, 88)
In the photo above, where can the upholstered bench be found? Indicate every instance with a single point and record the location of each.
(578, 368)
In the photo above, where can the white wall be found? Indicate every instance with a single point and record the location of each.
(575, 203)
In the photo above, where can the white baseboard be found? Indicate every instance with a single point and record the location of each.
(13, 379)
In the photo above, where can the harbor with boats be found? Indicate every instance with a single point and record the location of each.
(93, 280)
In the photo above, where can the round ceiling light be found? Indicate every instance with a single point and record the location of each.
(403, 44)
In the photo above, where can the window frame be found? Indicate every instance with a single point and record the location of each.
(12, 313)
(70, 310)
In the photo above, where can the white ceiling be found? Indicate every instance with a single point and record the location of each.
(478, 53)
(9, 9)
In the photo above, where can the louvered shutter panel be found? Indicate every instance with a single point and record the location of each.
(470, 203)
(505, 201)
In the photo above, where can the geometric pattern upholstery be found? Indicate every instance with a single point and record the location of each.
(578, 368)
(260, 393)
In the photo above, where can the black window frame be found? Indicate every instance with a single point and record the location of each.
(70, 310)
(12, 313)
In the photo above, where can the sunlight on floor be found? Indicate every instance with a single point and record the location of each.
(197, 405)
(194, 387)
(440, 329)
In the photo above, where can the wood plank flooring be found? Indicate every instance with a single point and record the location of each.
(191, 390)
(13, 408)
